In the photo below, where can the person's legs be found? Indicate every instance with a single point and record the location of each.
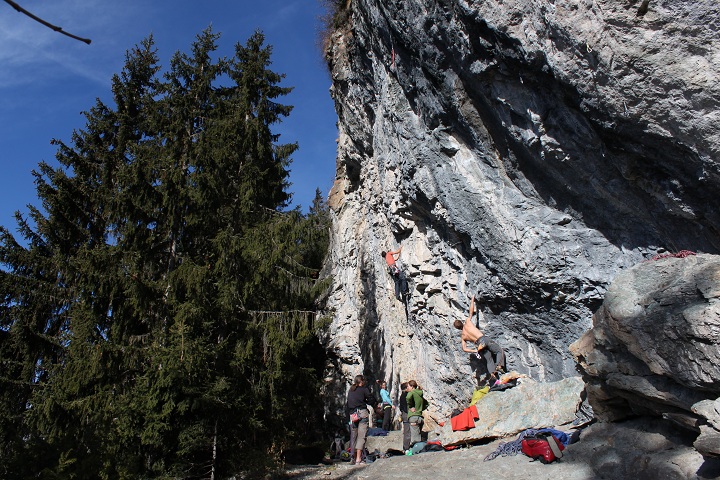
(362, 431)
(353, 439)
(498, 354)
(406, 431)
(403, 283)
(500, 359)
(387, 413)
(415, 424)
(489, 362)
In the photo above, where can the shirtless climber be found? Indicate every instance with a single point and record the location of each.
(401, 286)
(482, 346)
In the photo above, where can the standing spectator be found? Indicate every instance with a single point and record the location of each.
(359, 397)
(415, 403)
(404, 389)
(386, 405)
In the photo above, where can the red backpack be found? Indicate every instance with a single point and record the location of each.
(543, 446)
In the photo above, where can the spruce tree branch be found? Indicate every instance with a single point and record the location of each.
(270, 210)
(289, 259)
(294, 275)
(47, 24)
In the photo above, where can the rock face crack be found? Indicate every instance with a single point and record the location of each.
(526, 153)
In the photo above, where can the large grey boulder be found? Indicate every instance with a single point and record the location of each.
(528, 405)
(392, 441)
(708, 442)
(655, 346)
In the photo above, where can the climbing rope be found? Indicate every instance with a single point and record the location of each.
(510, 448)
(515, 447)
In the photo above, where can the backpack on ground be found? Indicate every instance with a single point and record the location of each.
(543, 446)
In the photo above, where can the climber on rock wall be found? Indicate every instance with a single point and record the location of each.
(401, 286)
(484, 348)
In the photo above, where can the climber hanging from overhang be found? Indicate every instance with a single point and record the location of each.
(484, 348)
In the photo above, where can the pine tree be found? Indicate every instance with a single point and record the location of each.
(160, 320)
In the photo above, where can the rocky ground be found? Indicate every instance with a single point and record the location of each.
(637, 449)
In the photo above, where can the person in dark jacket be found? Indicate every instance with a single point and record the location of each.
(404, 389)
(358, 399)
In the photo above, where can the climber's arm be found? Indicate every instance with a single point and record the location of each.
(463, 343)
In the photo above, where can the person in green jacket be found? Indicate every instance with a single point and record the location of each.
(415, 404)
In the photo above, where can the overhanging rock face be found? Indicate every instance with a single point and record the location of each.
(524, 151)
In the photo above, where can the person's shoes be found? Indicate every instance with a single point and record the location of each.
(408, 452)
(352, 462)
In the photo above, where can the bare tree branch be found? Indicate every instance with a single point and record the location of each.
(49, 25)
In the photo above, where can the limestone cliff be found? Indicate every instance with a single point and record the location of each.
(526, 151)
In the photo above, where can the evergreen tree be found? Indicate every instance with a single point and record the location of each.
(160, 321)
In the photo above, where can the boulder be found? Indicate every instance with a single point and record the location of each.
(530, 404)
(654, 347)
(383, 444)
(708, 442)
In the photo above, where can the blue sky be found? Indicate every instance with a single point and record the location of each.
(47, 79)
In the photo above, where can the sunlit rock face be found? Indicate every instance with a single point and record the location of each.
(526, 152)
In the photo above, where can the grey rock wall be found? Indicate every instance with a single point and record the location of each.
(524, 151)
